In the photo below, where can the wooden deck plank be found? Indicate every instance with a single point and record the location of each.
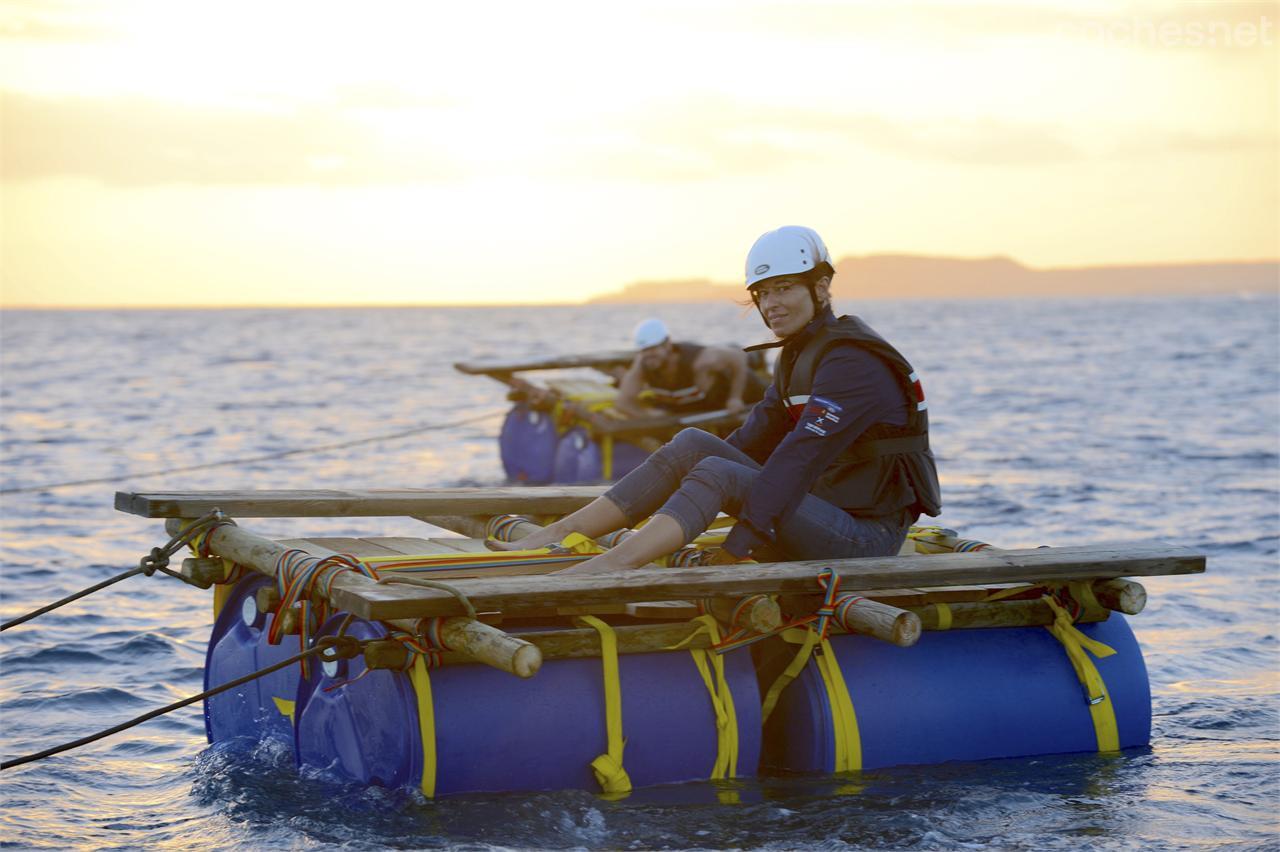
(464, 545)
(340, 544)
(410, 546)
(547, 500)
(562, 362)
(1125, 559)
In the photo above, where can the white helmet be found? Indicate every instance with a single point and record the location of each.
(650, 332)
(790, 250)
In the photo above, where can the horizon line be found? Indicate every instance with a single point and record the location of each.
(320, 306)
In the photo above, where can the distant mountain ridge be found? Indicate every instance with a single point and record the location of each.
(904, 276)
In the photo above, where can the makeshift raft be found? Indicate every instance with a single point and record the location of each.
(566, 430)
(483, 671)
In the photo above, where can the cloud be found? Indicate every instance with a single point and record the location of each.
(138, 141)
(377, 135)
(52, 21)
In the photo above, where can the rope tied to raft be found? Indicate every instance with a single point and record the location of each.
(433, 584)
(327, 648)
(306, 581)
(833, 606)
(156, 560)
(233, 572)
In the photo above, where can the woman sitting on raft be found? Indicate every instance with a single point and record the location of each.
(834, 462)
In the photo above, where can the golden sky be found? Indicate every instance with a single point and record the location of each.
(227, 153)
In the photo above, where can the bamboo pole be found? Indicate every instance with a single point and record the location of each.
(1120, 595)
(484, 643)
(576, 643)
(887, 623)
(981, 614)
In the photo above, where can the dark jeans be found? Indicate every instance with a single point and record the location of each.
(696, 475)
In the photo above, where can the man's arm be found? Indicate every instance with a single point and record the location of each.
(732, 363)
(628, 401)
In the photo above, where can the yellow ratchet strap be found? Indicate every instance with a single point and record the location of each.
(944, 616)
(807, 640)
(707, 661)
(1076, 644)
(844, 722)
(606, 458)
(426, 723)
(613, 779)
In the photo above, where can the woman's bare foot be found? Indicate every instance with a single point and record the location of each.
(596, 518)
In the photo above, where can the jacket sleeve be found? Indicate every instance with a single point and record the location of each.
(852, 390)
(766, 424)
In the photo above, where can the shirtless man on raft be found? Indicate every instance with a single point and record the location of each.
(834, 462)
(685, 377)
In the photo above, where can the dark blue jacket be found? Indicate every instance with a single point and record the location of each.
(852, 391)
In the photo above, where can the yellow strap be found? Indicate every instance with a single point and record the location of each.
(844, 722)
(1076, 644)
(808, 640)
(1004, 593)
(221, 594)
(608, 769)
(726, 765)
(426, 723)
(579, 543)
(944, 616)
(1082, 592)
(606, 458)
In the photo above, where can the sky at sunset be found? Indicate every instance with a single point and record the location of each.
(232, 153)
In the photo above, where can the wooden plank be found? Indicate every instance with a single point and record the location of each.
(360, 547)
(562, 362)
(667, 424)
(470, 636)
(463, 545)
(1124, 559)
(409, 546)
(545, 500)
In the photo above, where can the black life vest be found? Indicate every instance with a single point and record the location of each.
(888, 468)
(682, 381)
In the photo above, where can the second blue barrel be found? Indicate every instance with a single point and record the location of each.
(956, 695)
(580, 460)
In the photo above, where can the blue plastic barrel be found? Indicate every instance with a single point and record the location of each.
(579, 459)
(956, 695)
(495, 732)
(527, 444)
(237, 647)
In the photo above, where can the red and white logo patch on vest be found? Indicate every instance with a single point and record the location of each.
(916, 386)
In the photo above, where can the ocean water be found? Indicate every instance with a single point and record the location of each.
(1055, 422)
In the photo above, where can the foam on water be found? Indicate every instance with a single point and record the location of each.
(1055, 422)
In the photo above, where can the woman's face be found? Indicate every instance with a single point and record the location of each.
(786, 305)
